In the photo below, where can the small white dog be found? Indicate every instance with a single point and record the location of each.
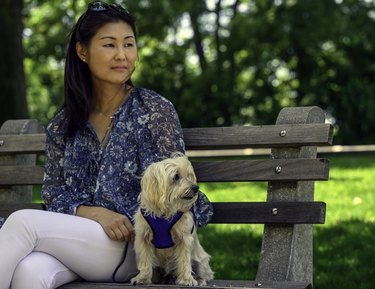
(165, 233)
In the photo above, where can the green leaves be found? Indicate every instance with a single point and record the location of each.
(232, 62)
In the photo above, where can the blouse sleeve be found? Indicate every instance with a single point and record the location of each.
(58, 196)
(162, 138)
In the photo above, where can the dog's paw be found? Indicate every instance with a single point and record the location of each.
(188, 281)
(139, 279)
(202, 282)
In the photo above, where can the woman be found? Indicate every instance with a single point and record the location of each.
(97, 147)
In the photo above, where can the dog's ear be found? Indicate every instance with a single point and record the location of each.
(154, 187)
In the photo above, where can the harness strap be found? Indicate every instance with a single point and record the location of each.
(161, 229)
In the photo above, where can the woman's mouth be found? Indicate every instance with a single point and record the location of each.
(119, 68)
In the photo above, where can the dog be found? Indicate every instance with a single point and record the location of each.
(168, 191)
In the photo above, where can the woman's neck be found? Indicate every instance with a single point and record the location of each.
(109, 99)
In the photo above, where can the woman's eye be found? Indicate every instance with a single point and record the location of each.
(109, 45)
(129, 45)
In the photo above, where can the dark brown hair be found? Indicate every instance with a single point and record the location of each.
(77, 80)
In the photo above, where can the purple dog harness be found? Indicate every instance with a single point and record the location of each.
(161, 229)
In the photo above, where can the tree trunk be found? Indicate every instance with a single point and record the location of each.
(12, 80)
(198, 40)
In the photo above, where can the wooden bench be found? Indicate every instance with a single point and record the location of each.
(288, 215)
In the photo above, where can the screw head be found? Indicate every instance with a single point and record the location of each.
(282, 133)
(274, 211)
(278, 169)
(1, 143)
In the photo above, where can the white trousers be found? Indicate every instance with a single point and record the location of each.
(44, 250)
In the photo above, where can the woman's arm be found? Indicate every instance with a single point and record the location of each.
(164, 136)
(58, 196)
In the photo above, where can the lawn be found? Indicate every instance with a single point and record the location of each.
(344, 247)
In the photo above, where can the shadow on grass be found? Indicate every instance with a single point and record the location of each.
(234, 254)
(344, 254)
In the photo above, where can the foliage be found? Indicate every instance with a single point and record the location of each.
(47, 25)
(230, 62)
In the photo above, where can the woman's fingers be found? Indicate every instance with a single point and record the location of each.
(120, 229)
(117, 226)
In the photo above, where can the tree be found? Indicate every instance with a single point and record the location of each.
(12, 80)
(229, 62)
(47, 27)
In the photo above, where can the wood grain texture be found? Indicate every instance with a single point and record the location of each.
(26, 143)
(215, 171)
(258, 136)
(21, 175)
(8, 208)
(262, 170)
(209, 138)
(269, 213)
(239, 212)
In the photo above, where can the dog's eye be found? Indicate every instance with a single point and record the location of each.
(176, 178)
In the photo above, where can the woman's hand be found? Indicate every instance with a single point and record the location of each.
(118, 227)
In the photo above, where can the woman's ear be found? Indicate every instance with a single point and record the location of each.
(81, 51)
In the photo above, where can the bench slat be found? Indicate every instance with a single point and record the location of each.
(216, 284)
(21, 175)
(240, 212)
(269, 213)
(7, 208)
(262, 170)
(216, 171)
(258, 136)
(211, 138)
(26, 143)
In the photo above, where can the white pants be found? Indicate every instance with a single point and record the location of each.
(43, 250)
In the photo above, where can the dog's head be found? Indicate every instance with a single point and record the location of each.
(168, 186)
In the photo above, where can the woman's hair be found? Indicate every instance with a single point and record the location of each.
(77, 81)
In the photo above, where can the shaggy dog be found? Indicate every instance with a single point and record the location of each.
(165, 233)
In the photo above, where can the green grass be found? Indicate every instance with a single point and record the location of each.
(344, 247)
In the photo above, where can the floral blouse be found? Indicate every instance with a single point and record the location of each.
(146, 129)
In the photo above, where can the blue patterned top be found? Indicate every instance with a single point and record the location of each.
(146, 129)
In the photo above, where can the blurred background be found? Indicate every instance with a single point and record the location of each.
(234, 62)
(221, 62)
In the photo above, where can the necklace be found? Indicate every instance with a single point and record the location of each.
(108, 129)
(104, 140)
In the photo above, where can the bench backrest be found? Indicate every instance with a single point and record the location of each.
(290, 172)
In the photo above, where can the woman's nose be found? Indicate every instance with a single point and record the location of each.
(121, 55)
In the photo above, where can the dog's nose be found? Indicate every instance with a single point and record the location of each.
(195, 188)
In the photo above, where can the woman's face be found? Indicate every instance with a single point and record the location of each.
(110, 54)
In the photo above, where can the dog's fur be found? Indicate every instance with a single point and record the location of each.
(169, 186)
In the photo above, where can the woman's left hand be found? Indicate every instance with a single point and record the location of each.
(117, 226)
